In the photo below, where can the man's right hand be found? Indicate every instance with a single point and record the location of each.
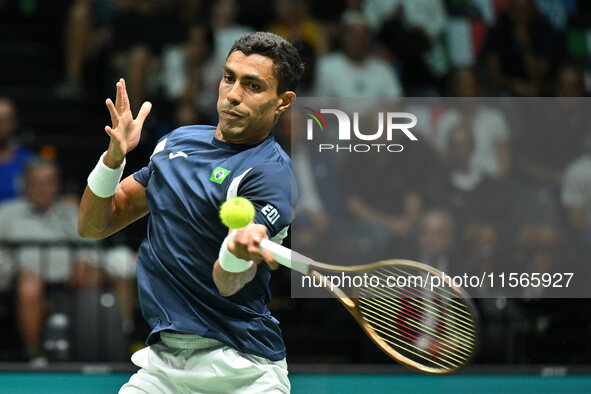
(125, 131)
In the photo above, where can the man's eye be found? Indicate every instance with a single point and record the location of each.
(228, 78)
(254, 86)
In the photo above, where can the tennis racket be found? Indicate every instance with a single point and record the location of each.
(408, 310)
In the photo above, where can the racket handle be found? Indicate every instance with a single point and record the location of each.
(287, 257)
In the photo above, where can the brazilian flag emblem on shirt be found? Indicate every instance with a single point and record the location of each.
(219, 174)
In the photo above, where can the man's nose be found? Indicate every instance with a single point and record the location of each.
(234, 95)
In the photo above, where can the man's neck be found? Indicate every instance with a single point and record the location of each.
(252, 140)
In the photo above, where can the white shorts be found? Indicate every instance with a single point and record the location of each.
(185, 363)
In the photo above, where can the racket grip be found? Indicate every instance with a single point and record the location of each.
(287, 257)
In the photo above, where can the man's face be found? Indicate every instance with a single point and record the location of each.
(248, 104)
(196, 46)
(42, 187)
(357, 41)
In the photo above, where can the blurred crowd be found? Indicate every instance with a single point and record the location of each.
(491, 186)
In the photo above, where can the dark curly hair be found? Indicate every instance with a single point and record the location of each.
(287, 65)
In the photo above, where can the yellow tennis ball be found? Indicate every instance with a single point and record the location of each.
(236, 212)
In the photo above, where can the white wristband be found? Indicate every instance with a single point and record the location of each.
(103, 180)
(229, 262)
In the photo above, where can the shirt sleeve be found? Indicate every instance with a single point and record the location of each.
(273, 191)
(143, 175)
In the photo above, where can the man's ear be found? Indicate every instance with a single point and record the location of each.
(287, 99)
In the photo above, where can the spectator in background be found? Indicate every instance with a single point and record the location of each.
(225, 28)
(436, 244)
(40, 216)
(13, 157)
(294, 23)
(140, 30)
(477, 202)
(87, 33)
(308, 56)
(428, 15)
(541, 152)
(411, 32)
(384, 193)
(520, 51)
(129, 33)
(186, 114)
(354, 71)
(182, 64)
(190, 73)
(491, 156)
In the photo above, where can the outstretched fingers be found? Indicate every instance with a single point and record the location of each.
(118, 99)
(109, 131)
(144, 111)
(122, 93)
(112, 112)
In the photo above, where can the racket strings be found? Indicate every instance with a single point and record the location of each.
(387, 306)
(432, 328)
(399, 344)
(444, 343)
(400, 339)
(426, 303)
(439, 351)
(417, 312)
(393, 307)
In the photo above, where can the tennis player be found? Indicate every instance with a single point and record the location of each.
(211, 329)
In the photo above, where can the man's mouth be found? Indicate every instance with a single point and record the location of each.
(232, 114)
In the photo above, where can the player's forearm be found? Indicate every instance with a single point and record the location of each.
(109, 203)
(98, 201)
(229, 283)
(95, 215)
(100, 217)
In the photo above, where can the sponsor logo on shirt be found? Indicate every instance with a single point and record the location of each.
(178, 154)
(219, 174)
(270, 213)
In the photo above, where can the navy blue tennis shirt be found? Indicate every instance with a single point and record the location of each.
(190, 174)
